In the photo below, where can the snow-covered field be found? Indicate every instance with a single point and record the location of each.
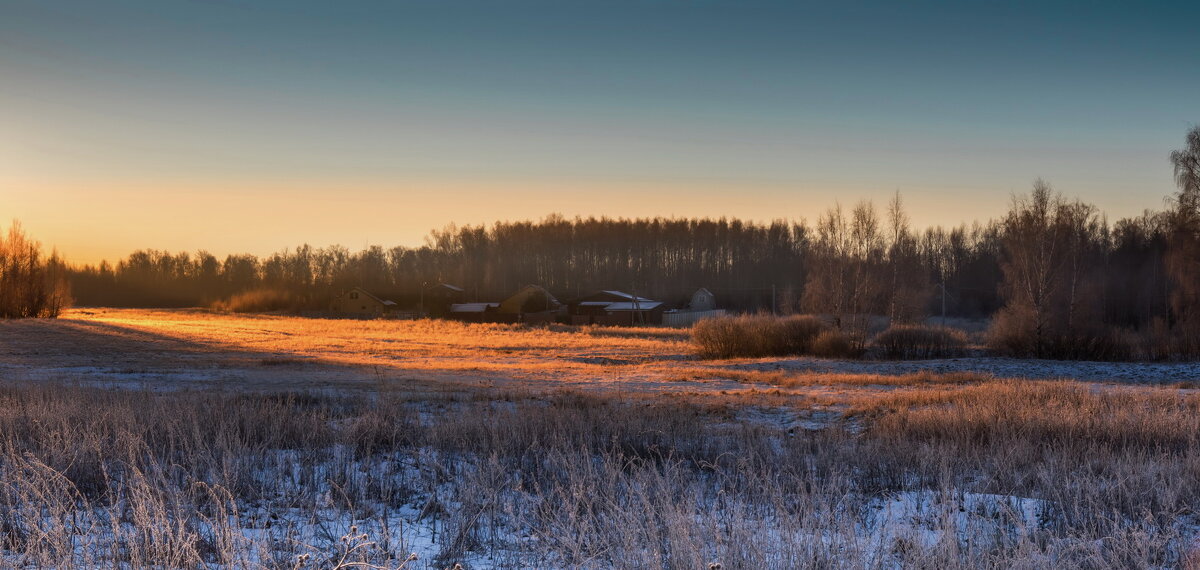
(1001, 367)
(188, 438)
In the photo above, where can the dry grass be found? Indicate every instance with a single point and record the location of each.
(100, 477)
(756, 336)
(749, 468)
(348, 351)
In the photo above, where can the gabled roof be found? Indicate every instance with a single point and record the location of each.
(372, 297)
(607, 296)
(639, 306)
(516, 302)
(624, 295)
(448, 287)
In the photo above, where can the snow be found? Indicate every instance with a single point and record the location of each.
(1000, 367)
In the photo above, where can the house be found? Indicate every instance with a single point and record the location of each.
(702, 306)
(614, 308)
(474, 312)
(360, 302)
(437, 300)
(530, 304)
(703, 300)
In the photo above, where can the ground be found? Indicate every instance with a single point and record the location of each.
(507, 446)
(182, 348)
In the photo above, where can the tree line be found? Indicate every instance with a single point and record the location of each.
(1059, 278)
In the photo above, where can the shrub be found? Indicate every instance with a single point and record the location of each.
(799, 332)
(259, 301)
(1009, 334)
(1013, 334)
(921, 341)
(718, 338)
(832, 344)
(756, 335)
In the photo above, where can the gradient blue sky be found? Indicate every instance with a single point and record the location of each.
(254, 126)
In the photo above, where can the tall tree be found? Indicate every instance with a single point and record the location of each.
(1183, 246)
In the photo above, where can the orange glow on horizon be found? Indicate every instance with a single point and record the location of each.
(90, 222)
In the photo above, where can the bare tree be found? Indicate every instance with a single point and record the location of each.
(1183, 246)
(909, 286)
(1033, 262)
(29, 285)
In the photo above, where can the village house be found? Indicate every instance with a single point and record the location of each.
(436, 301)
(474, 312)
(530, 304)
(614, 308)
(361, 303)
(702, 306)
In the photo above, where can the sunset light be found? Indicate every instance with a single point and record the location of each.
(583, 284)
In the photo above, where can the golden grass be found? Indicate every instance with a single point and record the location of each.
(417, 355)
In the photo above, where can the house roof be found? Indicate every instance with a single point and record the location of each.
(624, 295)
(639, 306)
(607, 296)
(472, 307)
(516, 302)
(448, 287)
(374, 298)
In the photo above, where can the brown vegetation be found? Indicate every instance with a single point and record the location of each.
(183, 479)
(259, 301)
(30, 286)
(921, 341)
(756, 336)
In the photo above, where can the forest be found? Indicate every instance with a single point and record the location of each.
(1055, 275)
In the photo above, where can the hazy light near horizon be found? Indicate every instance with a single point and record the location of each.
(238, 126)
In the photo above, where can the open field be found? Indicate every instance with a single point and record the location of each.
(182, 348)
(188, 438)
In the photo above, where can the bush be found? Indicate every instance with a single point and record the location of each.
(1013, 334)
(718, 338)
(750, 336)
(921, 341)
(259, 301)
(798, 333)
(832, 344)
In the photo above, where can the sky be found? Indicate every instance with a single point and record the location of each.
(237, 126)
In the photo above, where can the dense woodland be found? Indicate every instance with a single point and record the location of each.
(1058, 277)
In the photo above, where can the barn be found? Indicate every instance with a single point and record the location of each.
(531, 304)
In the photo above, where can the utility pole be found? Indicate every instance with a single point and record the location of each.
(774, 306)
(636, 316)
(421, 303)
